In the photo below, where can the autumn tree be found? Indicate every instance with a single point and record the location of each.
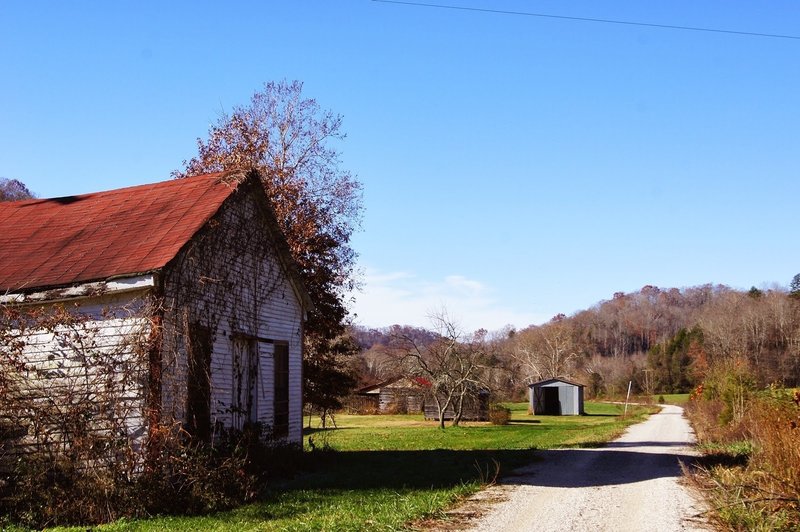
(610, 375)
(289, 139)
(326, 377)
(453, 364)
(724, 324)
(13, 190)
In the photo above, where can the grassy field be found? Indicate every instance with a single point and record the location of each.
(387, 471)
(679, 399)
(412, 433)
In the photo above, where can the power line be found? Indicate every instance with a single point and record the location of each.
(588, 19)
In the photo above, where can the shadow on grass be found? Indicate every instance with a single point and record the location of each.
(357, 470)
(396, 470)
(710, 460)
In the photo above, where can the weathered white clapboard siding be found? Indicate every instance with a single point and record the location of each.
(71, 365)
(245, 291)
(227, 277)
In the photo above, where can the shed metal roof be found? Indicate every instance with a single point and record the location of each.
(550, 381)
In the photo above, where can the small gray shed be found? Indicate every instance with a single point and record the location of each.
(556, 397)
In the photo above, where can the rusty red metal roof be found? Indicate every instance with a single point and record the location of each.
(128, 231)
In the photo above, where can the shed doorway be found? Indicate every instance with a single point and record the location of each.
(552, 404)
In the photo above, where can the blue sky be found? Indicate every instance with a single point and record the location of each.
(514, 167)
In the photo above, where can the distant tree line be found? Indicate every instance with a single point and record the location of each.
(662, 339)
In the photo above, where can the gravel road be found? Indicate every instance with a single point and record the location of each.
(630, 484)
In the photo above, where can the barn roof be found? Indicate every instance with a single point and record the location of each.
(47, 243)
(550, 381)
(405, 382)
(377, 386)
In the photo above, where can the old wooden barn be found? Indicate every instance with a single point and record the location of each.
(556, 397)
(189, 282)
(398, 395)
(476, 406)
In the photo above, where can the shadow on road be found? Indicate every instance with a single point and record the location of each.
(357, 470)
(571, 468)
(625, 444)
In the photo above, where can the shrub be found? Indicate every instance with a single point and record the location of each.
(396, 406)
(68, 454)
(661, 400)
(752, 464)
(178, 476)
(41, 492)
(499, 415)
(733, 384)
(72, 455)
(775, 430)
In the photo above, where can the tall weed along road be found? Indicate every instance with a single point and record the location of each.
(630, 484)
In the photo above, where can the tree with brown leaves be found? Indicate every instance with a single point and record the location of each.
(288, 138)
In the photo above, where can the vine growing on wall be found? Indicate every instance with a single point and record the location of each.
(221, 282)
(291, 141)
(71, 397)
(92, 405)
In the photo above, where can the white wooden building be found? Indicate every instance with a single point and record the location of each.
(189, 280)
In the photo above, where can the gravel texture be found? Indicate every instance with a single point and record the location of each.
(633, 483)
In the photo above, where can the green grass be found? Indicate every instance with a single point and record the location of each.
(411, 432)
(679, 399)
(387, 471)
(735, 449)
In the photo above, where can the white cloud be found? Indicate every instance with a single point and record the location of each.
(403, 298)
(461, 283)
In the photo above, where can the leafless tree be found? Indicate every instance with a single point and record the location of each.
(453, 364)
(547, 351)
(13, 190)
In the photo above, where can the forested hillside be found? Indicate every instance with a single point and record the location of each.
(662, 339)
